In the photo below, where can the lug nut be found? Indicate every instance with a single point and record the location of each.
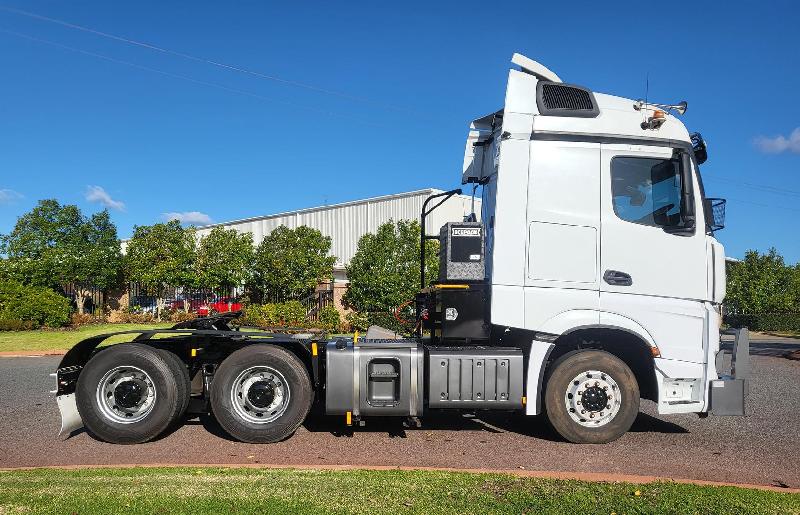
(608, 406)
(583, 411)
(591, 415)
(597, 383)
(578, 403)
(601, 413)
(605, 388)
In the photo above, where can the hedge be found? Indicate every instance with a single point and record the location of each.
(26, 307)
(766, 321)
(285, 314)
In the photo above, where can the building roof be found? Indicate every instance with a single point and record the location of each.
(347, 222)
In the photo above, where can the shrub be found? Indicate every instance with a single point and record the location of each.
(79, 319)
(358, 321)
(125, 316)
(181, 316)
(766, 321)
(16, 325)
(291, 314)
(260, 315)
(40, 306)
(329, 318)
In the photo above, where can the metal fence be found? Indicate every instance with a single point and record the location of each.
(176, 297)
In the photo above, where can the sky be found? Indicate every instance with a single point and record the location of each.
(215, 111)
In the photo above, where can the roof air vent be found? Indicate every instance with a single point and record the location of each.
(555, 99)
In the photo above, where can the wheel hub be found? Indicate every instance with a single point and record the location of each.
(593, 398)
(126, 394)
(260, 394)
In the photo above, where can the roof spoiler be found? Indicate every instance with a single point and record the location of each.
(532, 67)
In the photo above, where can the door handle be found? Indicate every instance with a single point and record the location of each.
(617, 278)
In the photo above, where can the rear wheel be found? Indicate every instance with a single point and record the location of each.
(591, 397)
(261, 394)
(129, 393)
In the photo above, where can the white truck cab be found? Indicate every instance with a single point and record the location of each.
(597, 228)
(592, 280)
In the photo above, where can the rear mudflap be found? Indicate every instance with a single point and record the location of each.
(65, 399)
(70, 418)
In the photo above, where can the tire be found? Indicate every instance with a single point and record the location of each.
(261, 394)
(140, 377)
(183, 381)
(591, 414)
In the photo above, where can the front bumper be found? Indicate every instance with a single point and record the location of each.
(729, 391)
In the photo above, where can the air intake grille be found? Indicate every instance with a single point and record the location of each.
(564, 97)
(565, 100)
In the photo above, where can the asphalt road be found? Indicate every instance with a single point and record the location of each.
(761, 448)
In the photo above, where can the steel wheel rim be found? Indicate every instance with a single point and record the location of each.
(593, 398)
(260, 395)
(126, 394)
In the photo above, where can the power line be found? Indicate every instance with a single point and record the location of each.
(759, 187)
(191, 57)
(771, 206)
(187, 78)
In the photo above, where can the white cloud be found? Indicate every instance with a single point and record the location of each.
(9, 196)
(98, 194)
(780, 143)
(188, 217)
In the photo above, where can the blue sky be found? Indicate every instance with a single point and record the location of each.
(367, 99)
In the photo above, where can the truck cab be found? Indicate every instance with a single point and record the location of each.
(598, 232)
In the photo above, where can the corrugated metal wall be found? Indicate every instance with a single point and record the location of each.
(346, 223)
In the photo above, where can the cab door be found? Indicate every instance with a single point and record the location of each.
(653, 246)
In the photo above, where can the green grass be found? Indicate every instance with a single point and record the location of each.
(63, 339)
(219, 490)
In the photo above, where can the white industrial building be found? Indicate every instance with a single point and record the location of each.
(345, 223)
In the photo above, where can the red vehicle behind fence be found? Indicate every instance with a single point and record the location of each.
(219, 305)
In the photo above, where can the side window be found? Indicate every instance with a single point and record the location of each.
(648, 191)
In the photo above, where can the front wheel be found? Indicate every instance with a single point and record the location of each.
(591, 397)
(261, 394)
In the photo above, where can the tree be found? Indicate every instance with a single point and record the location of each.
(224, 258)
(159, 256)
(384, 272)
(289, 263)
(55, 245)
(762, 283)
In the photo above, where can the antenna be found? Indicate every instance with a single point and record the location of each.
(642, 105)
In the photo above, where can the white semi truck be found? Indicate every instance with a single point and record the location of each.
(592, 280)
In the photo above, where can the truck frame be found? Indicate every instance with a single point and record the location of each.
(590, 280)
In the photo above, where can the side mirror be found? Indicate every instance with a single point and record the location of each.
(699, 147)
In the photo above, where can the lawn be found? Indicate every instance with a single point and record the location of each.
(220, 490)
(63, 339)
